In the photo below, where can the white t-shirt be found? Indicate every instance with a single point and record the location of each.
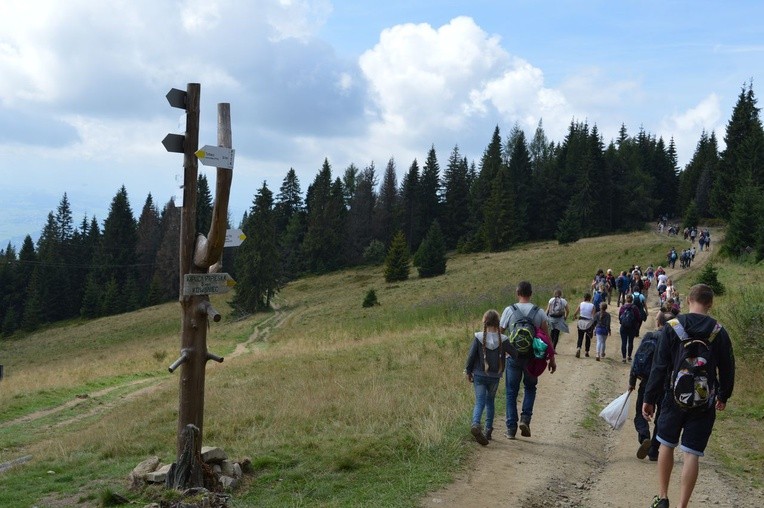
(586, 310)
(662, 278)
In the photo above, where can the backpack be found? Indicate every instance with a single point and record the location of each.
(643, 359)
(557, 309)
(599, 296)
(522, 331)
(694, 369)
(673, 255)
(639, 302)
(627, 318)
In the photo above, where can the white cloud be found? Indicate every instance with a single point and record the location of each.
(200, 15)
(687, 126)
(427, 81)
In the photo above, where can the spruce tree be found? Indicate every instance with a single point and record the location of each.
(744, 220)
(431, 255)
(386, 213)
(410, 205)
(429, 187)
(360, 217)
(456, 204)
(257, 262)
(397, 262)
(203, 205)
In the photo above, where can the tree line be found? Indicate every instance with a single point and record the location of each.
(522, 189)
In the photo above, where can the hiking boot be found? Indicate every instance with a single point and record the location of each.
(488, 433)
(659, 502)
(628, 359)
(644, 448)
(511, 432)
(623, 361)
(653, 458)
(525, 427)
(598, 358)
(578, 353)
(478, 433)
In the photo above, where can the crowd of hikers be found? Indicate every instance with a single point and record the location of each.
(684, 362)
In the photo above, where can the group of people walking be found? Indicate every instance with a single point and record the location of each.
(668, 392)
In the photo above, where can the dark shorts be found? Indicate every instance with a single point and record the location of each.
(694, 426)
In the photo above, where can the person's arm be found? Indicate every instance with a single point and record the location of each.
(471, 357)
(575, 313)
(726, 369)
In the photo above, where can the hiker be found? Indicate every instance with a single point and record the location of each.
(599, 296)
(640, 369)
(517, 367)
(697, 389)
(622, 283)
(628, 316)
(636, 282)
(640, 302)
(584, 313)
(484, 368)
(670, 290)
(610, 285)
(672, 257)
(557, 311)
(601, 329)
(702, 240)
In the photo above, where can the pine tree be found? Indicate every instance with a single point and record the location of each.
(360, 217)
(203, 205)
(288, 201)
(257, 263)
(456, 205)
(744, 220)
(521, 180)
(321, 246)
(429, 198)
(431, 255)
(397, 262)
(386, 213)
(166, 276)
(410, 205)
(148, 238)
(691, 217)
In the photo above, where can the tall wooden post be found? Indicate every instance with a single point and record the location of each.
(198, 255)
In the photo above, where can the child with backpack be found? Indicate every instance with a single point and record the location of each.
(629, 317)
(640, 369)
(484, 368)
(697, 352)
(601, 329)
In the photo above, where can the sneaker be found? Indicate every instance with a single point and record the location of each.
(525, 427)
(578, 353)
(586, 354)
(511, 432)
(623, 361)
(659, 502)
(653, 458)
(644, 448)
(478, 433)
(598, 358)
(488, 433)
(629, 359)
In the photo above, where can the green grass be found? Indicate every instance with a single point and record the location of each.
(338, 405)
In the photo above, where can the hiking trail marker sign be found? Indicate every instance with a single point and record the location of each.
(216, 156)
(234, 237)
(207, 283)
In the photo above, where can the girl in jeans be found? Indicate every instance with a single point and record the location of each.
(601, 329)
(484, 368)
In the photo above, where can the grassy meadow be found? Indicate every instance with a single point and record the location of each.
(336, 404)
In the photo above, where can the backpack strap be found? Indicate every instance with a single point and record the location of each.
(682, 333)
(532, 314)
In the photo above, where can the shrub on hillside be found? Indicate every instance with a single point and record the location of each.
(397, 262)
(374, 253)
(709, 277)
(371, 299)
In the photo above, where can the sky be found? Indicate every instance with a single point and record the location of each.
(83, 85)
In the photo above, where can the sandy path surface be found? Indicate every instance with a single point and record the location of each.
(565, 465)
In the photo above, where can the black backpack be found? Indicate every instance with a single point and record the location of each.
(627, 318)
(694, 370)
(643, 359)
(521, 331)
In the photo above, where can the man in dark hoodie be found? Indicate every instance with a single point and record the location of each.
(693, 424)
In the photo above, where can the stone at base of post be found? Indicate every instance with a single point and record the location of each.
(187, 472)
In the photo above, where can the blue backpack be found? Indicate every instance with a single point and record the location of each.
(643, 359)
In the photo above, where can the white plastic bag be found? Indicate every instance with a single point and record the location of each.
(617, 412)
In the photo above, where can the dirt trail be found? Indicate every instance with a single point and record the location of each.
(565, 465)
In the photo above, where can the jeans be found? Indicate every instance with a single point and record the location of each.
(485, 394)
(642, 426)
(601, 340)
(515, 373)
(627, 341)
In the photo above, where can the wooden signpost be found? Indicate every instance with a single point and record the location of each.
(200, 257)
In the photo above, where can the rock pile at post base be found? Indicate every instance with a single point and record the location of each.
(227, 473)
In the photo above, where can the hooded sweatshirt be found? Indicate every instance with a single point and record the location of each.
(493, 351)
(697, 326)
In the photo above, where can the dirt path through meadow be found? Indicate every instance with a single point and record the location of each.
(564, 464)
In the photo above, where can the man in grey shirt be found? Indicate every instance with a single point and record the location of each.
(515, 367)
